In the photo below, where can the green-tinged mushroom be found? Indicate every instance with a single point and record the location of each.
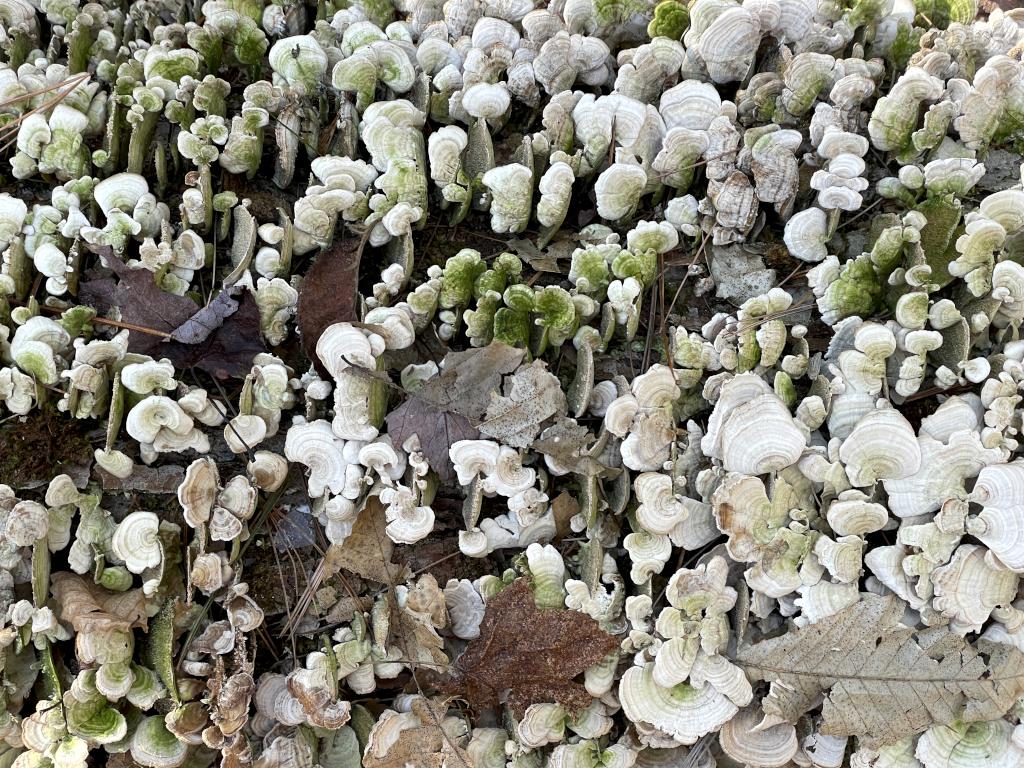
(671, 18)
(459, 277)
(154, 746)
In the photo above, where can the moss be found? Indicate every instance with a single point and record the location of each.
(47, 443)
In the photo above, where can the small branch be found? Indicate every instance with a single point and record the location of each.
(103, 321)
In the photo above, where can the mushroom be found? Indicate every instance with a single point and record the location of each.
(969, 587)
(684, 712)
(137, 541)
(745, 743)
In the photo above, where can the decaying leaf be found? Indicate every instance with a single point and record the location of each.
(140, 301)
(564, 507)
(532, 396)
(367, 551)
(208, 319)
(545, 260)
(227, 349)
(534, 654)
(329, 293)
(221, 338)
(415, 625)
(89, 607)
(445, 409)
(567, 445)
(420, 742)
(883, 681)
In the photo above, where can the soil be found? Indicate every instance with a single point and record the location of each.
(42, 445)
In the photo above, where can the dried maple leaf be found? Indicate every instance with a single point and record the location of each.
(532, 653)
(883, 681)
(329, 293)
(445, 409)
(532, 396)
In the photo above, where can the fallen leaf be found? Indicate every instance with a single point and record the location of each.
(221, 338)
(539, 260)
(421, 743)
(88, 607)
(227, 349)
(329, 293)
(468, 378)
(534, 654)
(415, 624)
(208, 319)
(446, 408)
(566, 447)
(564, 508)
(345, 609)
(532, 396)
(437, 430)
(882, 681)
(368, 550)
(139, 300)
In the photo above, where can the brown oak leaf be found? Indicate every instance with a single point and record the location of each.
(533, 654)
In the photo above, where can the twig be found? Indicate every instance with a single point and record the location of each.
(102, 321)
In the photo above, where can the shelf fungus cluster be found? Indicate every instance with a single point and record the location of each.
(510, 384)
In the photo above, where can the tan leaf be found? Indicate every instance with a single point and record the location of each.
(544, 260)
(88, 607)
(419, 742)
(368, 550)
(564, 507)
(534, 654)
(532, 396)
(415, 624)
(883, 681)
